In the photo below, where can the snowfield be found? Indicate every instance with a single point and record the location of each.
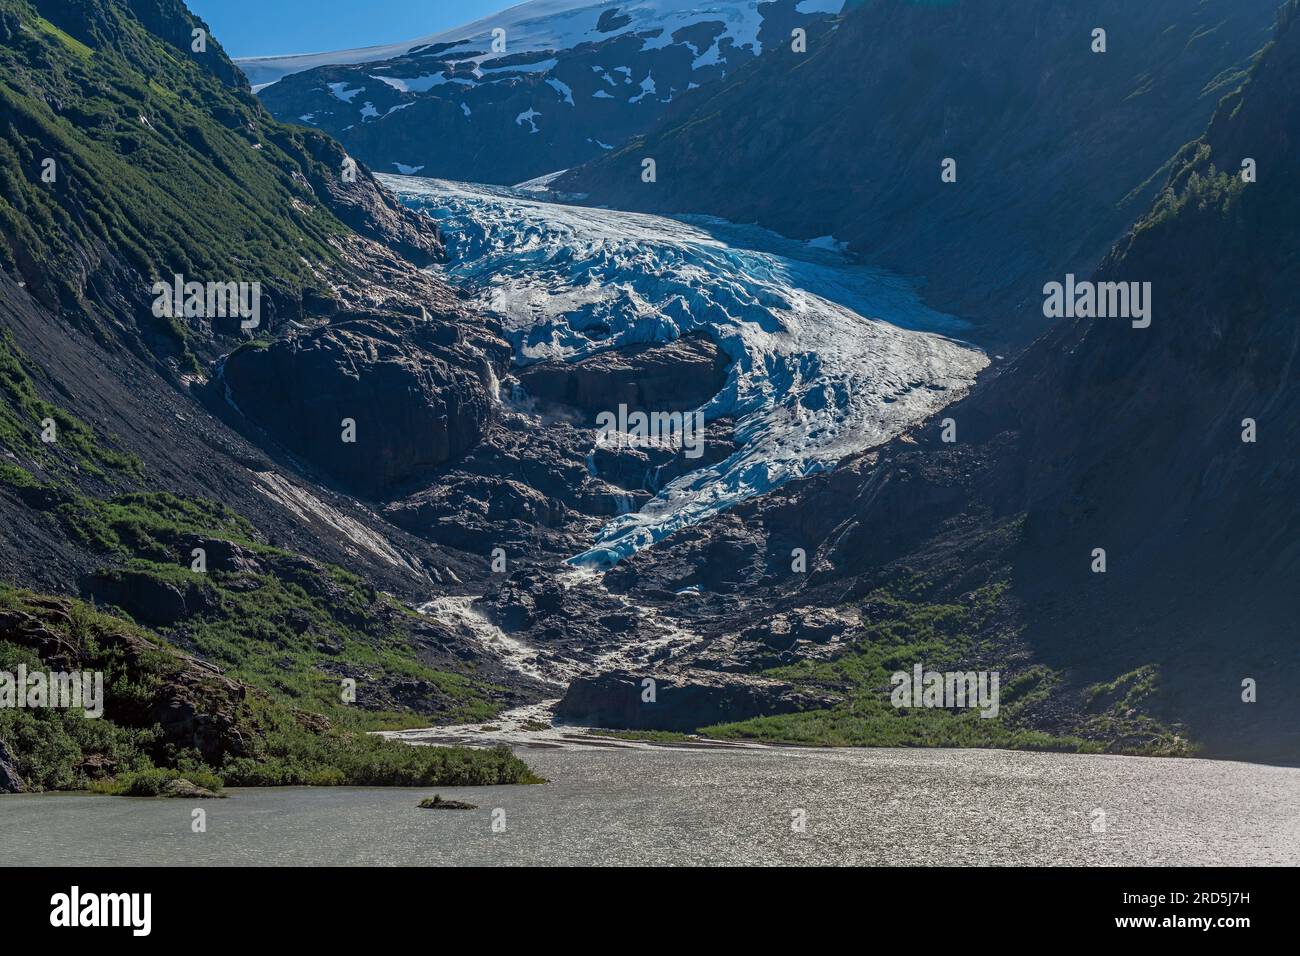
(830, 358)
(548, 25)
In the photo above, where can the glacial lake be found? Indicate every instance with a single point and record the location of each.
(671, 805)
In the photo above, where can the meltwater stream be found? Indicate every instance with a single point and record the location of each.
(829, 358)
(524, 725)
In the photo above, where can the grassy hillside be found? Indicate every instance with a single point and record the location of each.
(277, 632)
(161, 162)
(124, 116)
(168, 716)
(130, 157)
(1038, 710)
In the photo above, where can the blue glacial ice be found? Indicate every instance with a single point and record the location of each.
(830, 358)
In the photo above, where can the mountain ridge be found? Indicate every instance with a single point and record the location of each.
(538, 87)
(462, 487)
(1139, 441)
(834, 150)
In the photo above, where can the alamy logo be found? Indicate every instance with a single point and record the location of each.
(1098, 300)
(103, 909)
(180, 299)
(947, 689)
(659, 429)
(53, 689)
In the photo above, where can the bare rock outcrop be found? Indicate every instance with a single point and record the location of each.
(373, 400)
(681, 701)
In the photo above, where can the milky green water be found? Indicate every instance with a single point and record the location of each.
(672, 806)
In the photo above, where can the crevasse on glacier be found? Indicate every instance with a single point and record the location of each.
(830, 358)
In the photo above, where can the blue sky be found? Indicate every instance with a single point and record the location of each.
(268, 27)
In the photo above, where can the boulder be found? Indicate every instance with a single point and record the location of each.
(186, 789)
(463, 510)
(660, 376)
(146, 598)
(221, 555)
(437, 803)
(783, 631)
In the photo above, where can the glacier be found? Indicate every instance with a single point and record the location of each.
(829, 357)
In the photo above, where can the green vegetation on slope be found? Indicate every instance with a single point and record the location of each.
(160, 161)
(289, 627)
(297, 629)
(282, 622)
(23, 414)
(250, 738)
(130, 156)
(279, 621)
(965, 635)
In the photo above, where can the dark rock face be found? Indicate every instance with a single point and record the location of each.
(536, 480)
(419, 397)
(644, 469)
(727, 555)
(145, 598)
(521, 114)
(466, 511)
(526, 597)
(611, 20)
(370, 209)
(190, 712)
(540, 475)
(10, 780)
(683, 701)
(826, 147)
(525, 487)
(672, 376)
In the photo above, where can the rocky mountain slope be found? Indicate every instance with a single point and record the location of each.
(384, 479)
(274, 500)
(108, 192)
(1057, 148)
(565, 81)
(132, 157)
(1170, 447)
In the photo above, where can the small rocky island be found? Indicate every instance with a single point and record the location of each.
(437, 803)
